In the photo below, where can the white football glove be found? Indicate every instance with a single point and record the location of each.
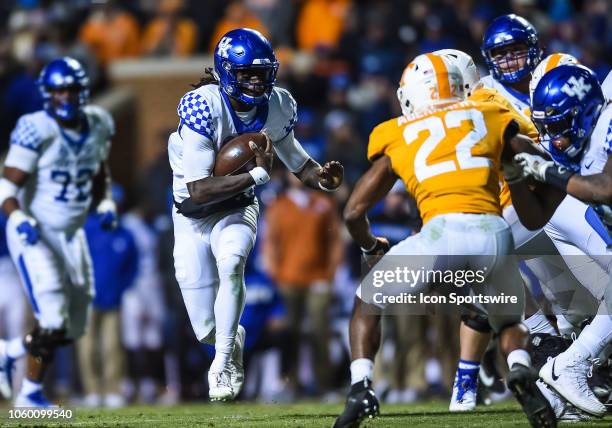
(107, 212)
(533, 165)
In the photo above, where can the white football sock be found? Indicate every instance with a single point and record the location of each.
(228, 308)
(15, 348)
(538, 323)
(519, 356)
(594, 337)
(28, 386)
(361, 368)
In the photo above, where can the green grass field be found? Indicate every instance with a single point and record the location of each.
(433, 414)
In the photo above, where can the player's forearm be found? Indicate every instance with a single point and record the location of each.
(596, 188)
(309, 174)
(530, 205)
(9, 205)
(358, 226)
(215, 189)
(108, 182)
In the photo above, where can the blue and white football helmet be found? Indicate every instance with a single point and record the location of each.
(508, 30)
(246, 50)
(60, 74)
(566, 103)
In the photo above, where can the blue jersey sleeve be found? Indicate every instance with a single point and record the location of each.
(195, 113)
(26, 134)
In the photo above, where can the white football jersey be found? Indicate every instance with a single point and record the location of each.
(606, 86)
(520, 101)
(206, 111)
(599, 145)
(61, 164)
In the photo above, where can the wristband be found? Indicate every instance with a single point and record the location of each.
(8, 189)
(558, 176)
(325, 189)
(260, 175)
(17, 217)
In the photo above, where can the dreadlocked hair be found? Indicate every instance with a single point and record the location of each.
(208, 78)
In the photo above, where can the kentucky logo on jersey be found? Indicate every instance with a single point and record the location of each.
(224, 46)
(576, 88)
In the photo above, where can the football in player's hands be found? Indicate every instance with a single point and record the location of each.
(236, 157)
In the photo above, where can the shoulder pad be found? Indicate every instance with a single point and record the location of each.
(195, 113)
(606, 119)
(29, 132)
(381, 136)
(102, 116)
(285, 111)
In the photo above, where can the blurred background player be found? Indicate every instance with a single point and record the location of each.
(430, 89)
(115, 264)
(213, 241)
(302, 250)
(12, 316)
(46, 191)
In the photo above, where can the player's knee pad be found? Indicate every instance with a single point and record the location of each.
(41, 342)
(477, 322)
(502, 323)
(231, 265)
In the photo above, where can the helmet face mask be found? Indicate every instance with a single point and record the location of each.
(246, 66)
(64, 86)
(511, 48)
(510, 59)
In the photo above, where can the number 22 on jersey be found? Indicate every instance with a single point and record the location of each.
(437, 127)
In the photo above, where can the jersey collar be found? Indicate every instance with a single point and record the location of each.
(519, 95)
(76, 144)
(256, 125)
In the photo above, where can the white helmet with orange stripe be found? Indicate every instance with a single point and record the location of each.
(466, 65)
(429, 80)
(547, 64)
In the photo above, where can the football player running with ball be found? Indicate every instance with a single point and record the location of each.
(457, 193)
(55, 156)
(215, 219)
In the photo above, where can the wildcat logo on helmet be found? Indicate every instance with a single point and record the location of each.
(576, 88)
(224, 46)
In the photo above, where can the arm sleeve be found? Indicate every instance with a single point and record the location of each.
(109, 123)
(198, 155)
(25, 147)
(291, 153)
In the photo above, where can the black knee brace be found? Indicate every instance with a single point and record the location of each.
(41, 342)
(476, 322)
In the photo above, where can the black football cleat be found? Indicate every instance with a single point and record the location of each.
(522, 382)
(360, 403)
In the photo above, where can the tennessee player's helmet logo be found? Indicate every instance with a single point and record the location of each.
(429, 80)
(547, 64)
(466, 65)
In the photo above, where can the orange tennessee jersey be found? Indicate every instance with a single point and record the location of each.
(526, 127)
(449, 159)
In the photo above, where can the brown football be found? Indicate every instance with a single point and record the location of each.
(236, 156)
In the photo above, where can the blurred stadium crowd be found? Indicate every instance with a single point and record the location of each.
(342, 60)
